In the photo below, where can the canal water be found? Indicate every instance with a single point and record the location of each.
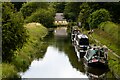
(60, 61)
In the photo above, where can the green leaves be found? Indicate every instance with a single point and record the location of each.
(30, 7)
(97, 17)
(13, 33)
(71, 10)
(84, 14)
(46, 17)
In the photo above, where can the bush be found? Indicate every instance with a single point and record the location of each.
(71, 11)
(24, 56)
(97, 17)
(9, 71)
(84, 14)
(30, 7)
(13, 33)
(45, 17)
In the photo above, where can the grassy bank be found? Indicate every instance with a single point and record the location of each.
(113, 61)
(107, 35)
(23, 57)
(9, 71)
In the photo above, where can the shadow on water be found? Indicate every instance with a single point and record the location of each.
(54, 63)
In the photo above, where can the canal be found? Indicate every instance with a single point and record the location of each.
(60, 61)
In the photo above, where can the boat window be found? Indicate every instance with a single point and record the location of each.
(87, 54)
(84, 41)
(96, 53)
(73, 36)
(101, 54)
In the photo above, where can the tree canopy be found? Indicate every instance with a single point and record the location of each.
(97, 17)
(28, 8)
(71, 10)
(45, 17)
(13, 33)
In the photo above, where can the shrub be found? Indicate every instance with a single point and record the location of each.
(30, 7)
(29, 51)
(97, 17)
(9, 71)
(45, 17)
(84, 14)
(13, 33)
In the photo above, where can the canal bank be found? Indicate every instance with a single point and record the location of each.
(101, 38)
(23, 57)
(113, 60)
(61, 61)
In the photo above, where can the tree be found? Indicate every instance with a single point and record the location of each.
(30, 7)
(13, 33)
(71, 10)
(59, 7)
(114, 10)
(112, 7)
(97, 17)
(17, 5)
(43, 16)
(85, 11)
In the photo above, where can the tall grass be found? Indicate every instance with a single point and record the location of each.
(8, 71)
(108, 35)
(24, 56)
(110, 28)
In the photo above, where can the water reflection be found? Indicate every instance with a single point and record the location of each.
(55, 64)
(61, 61)
(96, 73)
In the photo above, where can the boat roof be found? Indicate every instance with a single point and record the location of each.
(82, 36)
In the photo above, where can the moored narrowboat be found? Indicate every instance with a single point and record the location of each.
(96, 56)
(82, 42)
(74, 33)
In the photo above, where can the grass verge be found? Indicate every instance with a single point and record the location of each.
(23, 57)
(108, 34)
(113, 61)
(9, 71)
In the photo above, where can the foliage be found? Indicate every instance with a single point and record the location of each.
(45, 17)
(84, 14)
(32, 48)
(114, 10)
(59, 7)
(97, 17)
(71, 10)
(17, 5)
(30, 7)
(114, 63)
(107, 40)
(112, 7)
(110, 28)
(13, 33)
(9, 71)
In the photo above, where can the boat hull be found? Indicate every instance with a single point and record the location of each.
(96, 64)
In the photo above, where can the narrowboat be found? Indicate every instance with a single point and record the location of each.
(81, 44)
(96, 73)
(74, 33)
(96, 56)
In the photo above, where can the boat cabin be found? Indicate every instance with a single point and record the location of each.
(82, 42)
(96, 56)
(74, 33)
